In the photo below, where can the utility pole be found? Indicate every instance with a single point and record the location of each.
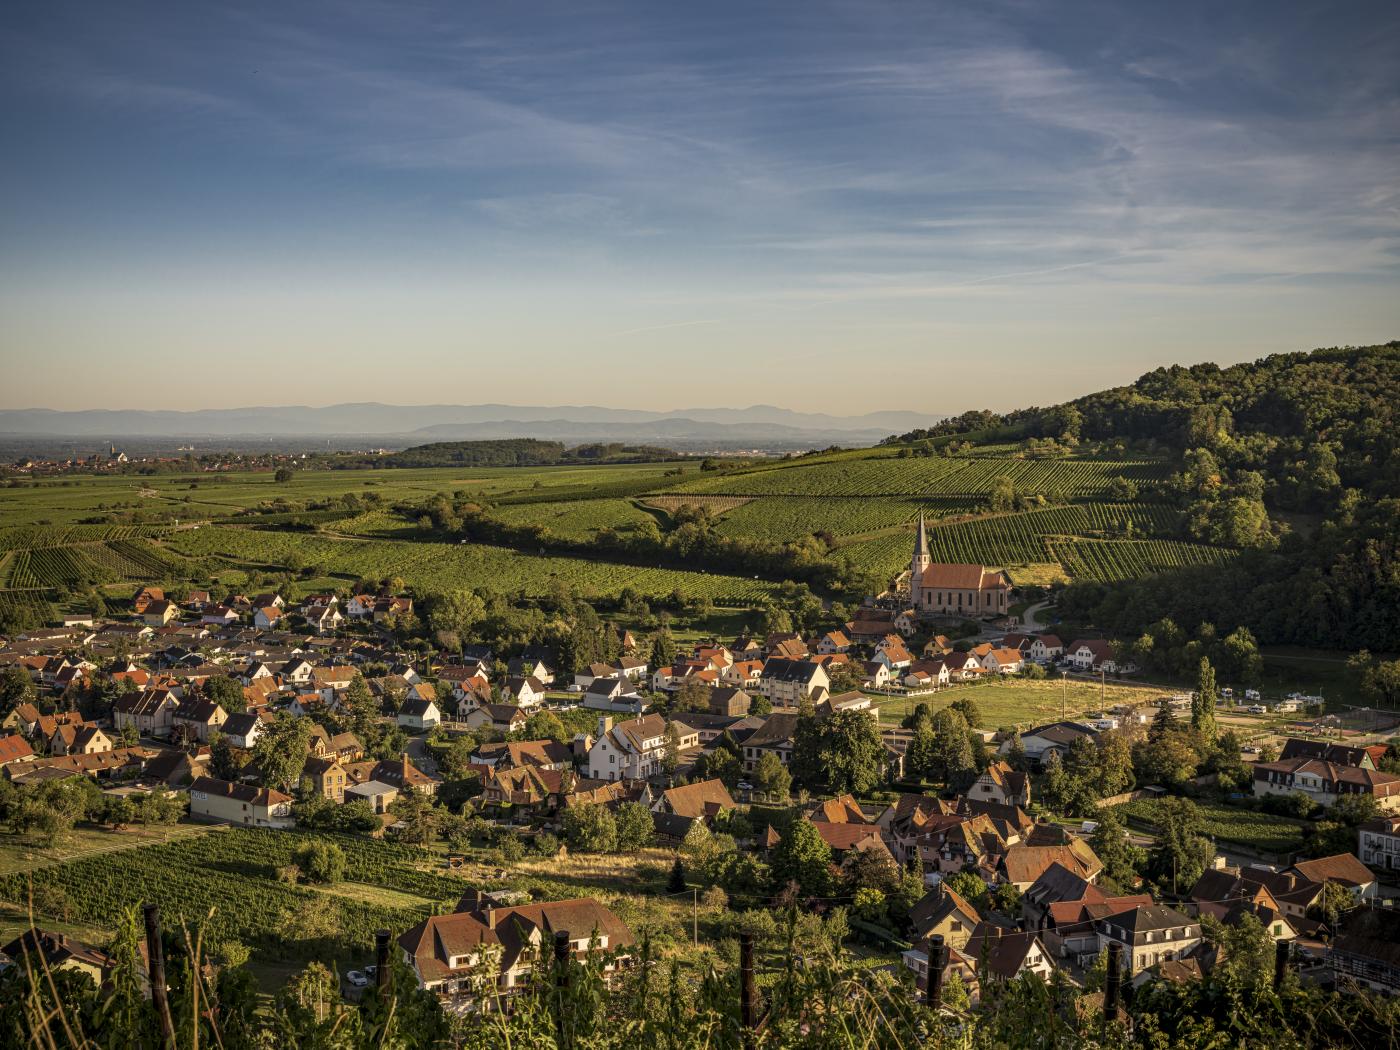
(1064, 694)
(695, 915)
(1102, 700)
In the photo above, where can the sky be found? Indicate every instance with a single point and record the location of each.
(831, 206)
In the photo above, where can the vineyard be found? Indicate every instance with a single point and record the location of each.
(232, 873)
(575, 519)
(76, 564)
(962, 476)
(1110, 560)
(437, 567)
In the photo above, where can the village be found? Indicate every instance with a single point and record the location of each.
(768, 765)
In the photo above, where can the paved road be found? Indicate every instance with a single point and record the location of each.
(1030, 622)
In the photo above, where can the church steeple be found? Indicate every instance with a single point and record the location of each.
(921, 559)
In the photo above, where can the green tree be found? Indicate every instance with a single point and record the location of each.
(802, 856)
(456, 612)
(771, 778)
(545, 725)
(842, 752)
(226, 692)
(320, 861)
(1182, 850)
(635, 827)
(663, 649)
(589, 828)
(1110, 842)
(953, 763)
(16, 687)
(1203, 704)
(967, 707)
(280, 751)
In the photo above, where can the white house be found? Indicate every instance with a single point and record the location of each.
(1004, 661)
(632, 750)
(418, 714)
(229, 803)
(1046, 648)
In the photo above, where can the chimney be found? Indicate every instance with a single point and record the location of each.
(490, 918)
(405, 767)
(605, 724)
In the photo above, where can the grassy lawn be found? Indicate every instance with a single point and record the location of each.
(1022, 701)
(1237, 824)
(17, 855)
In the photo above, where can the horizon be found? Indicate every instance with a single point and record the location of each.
(625, 203)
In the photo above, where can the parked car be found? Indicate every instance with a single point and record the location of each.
(1252, 749)
(1251, 694)
(371, 970)
(1257, 709)
(356, 979)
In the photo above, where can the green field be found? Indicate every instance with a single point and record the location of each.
(1022, 701)
(1236, 824)
(60, 536)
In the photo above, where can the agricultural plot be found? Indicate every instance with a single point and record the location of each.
(1031, 538)
(1110, 560)
(782, 519)
(61, 567)
(959, 476)
(436, 567)
(32, 603)
(233, 873)
(1224, 823)
(575, 519)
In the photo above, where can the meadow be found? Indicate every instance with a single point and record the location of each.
(1024, 702)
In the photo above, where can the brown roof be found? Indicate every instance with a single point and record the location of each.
(699, 799)
(248, 793)
(961, 577)
(1343, 868)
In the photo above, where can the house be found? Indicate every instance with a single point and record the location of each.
(447, 953)
(418, 714)
(14, 748)
(1285, 892)
(527, 691)
(544, 754)
(151, 713)
(1045, 649)
(399, 773)
(159, 613)
(328, 777)
(954, 589)
(267, 617)
(1004, 661)
(677, 808)
(228, 803)
(959, 965)
(1095, 654)
(242, 729)
(21, 718)
(1367, 950)
(1054, 736)
(1023, 864)
(1378, 842)
(1325, 782)
(330, 682)
(198, 720)
(380, 796)
(734, 703)
(1326, 751)
(632, 750)
(775, 735)
(531, 789)
(583, 679)
(927, 673)
(1000, 954)
(1149, 934)
(297, 671)
(613, 694)
(360, 606)
(392, 607)
(143, 598)
(832, 642)
(963, 666)
(1341, 869)
(1003, 785)
(505, 717)
(44, 951)
(322, 619)
(944, 912)
(219, 616)
(528, 666)
(83, 739)
(788, 682)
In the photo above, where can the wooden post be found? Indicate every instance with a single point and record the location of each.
(1282, 951)
(746, 1003)
(381, 961)
(561, 980)
(937, 962)
(1113, 982)
(155, 961)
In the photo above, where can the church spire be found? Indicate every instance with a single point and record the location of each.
(921, 556)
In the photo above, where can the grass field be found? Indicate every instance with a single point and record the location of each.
(18, 856)
(1021, 701)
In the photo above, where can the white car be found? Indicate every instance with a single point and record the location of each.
(1257, 709)
(356, 979)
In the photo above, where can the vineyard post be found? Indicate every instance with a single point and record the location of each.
(1113, 981)
(561, 979)
(746, 1003)
(155, 961)
(381, 961)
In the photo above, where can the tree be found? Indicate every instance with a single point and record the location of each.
(226, 692)
(320, 861)
(691, 695)
(1002, 494)
(971, 887)
(283, 475)
(1203, 704)
(1380, 683)
(280, 751)
(1110, 842)
(1335, 902)
(1247, 951)
(771, 778)
(16, 687)
(589, 828)
(967, 707)
(843, 752)
(545, 725)
(1182, 850)
(635, 828)
(952, 763)
(663, 649)
(676, 883)
(456, 612)
(802, 856)
(1240, 659)
(671, 749)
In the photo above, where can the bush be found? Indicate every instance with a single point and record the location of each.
(320, 861)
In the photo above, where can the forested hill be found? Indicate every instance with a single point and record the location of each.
(519, 452)
(1295, 457)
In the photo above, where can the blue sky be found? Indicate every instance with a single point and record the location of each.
(837, 206)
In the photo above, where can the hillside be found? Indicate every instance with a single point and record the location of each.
(1262, 495)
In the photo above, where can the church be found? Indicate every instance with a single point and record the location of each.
(958, 590)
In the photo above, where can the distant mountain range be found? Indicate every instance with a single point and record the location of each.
(758, 425)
